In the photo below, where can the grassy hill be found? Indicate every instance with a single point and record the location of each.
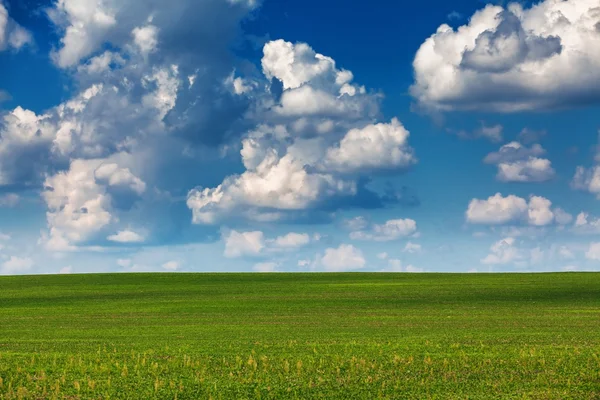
(346, 336)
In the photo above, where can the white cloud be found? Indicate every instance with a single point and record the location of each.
(89, 24)
(265, 267)
(9, 200)
(291, 241)
(113, 175)
(593, 252)
(17, 265)
(390, 230)
(305, 154)
(539, 212)
(379, 146)
(240, 244)
(496, 209)
(586, 224)
(101, 63)
(12, 34)
(587, 179)
(394, 265)
(412, 248)
(126, 236)
(413, 269)
(565, 252)
(66, 270)
(508, 59)
(244, 244)
(503, 252)
(562, 217)
(344, 258)
(513, 209)
(80, 202)
(383, 256)
(517, 163)
(145, 38)
(124, 262)
(171, 265)
(356, 223)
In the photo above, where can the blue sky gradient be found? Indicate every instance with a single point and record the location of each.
(247, 135)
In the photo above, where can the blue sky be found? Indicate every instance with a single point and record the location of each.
(248, 135)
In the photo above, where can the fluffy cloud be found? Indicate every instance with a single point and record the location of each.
(586, 224)
(80, 203)
(240, 244)
(517, 163)
(17, 265)
(344, 258)
(380, 146)
(508, 59)
(291, 241)
(12, 35)
(503, 252)
(587, 179)
(411, 247)
(313, 144)
(171, 265)
(390, 230)
(513, 209)
(126, 236)
(86, 26)
(252, 244)
(593, 252)
(496, 209)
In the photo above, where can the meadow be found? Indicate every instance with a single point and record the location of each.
(300, 336)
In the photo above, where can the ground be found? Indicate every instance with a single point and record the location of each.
(346, 336)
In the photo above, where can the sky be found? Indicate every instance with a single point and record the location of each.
(299, 136)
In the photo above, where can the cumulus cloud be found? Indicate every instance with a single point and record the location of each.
(497, 210)
(344, 258)
(390, 230)
(503, 251)
(291, 241)
(240, 244)
(380, 146)
(593, 252)
(254, 243)
(80, 203)
(411, 247)
(126, 236)
(587, 179)
(85, 27)
(586, 224)
(312, 147)
(172, 265)
(17, 265)
(12, 35)
(507, 59)
(66, 270)
(517, 163)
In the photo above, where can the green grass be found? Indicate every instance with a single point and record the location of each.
(346, 336)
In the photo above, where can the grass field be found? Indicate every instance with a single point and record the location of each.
(346, 336)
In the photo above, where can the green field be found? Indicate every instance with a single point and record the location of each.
(346, 336)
